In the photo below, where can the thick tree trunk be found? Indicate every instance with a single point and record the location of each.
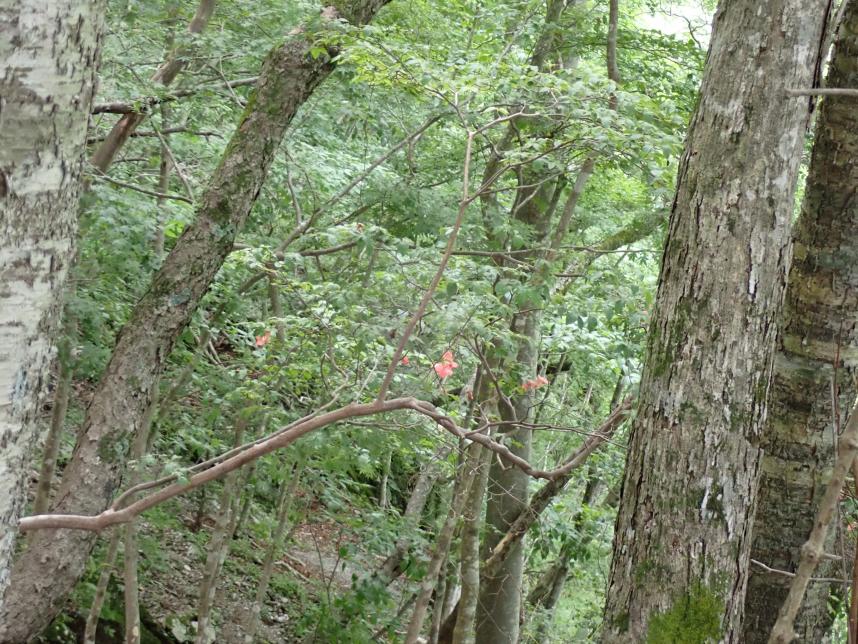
(48, 60)
(48, 570)
(818, 325)
(682, 535)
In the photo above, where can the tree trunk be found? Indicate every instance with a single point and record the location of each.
(500, 593)
(107, 569)
(49, 54)
(391, 568)
(47, 572)
(818, 330)
(464, 480)
(284, 505)
(221, 538)
(469, 559)
(58, 415)
(682, 535)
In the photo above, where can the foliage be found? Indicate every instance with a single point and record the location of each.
(348, 282)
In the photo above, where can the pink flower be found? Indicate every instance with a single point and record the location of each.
(404, 362)
(444, 369)
(535, 383)
(262, 340)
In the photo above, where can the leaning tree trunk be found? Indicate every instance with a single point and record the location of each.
(682, 535)
(47, 572)
(818, 330)
(49, 53)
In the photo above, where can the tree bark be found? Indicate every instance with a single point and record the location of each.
(818, 331)
(46, 573)
(49, 54)
(682, 536)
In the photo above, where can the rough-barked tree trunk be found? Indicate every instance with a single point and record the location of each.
(818, 325)
(47, 572)
(682, 537)
(48, 61)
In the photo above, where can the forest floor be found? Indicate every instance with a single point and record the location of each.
(309, 570)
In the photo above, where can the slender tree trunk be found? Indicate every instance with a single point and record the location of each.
(682, 536)
(107, 568)
(48, 60)
(58, 415)
(132, 595)
(442, 546)
(131, 584)
(47, 572)
(546, 593)
(500, 593)
(284, 505)
(163, 186)
(391, 568)
(818, 331)
(469, 560)
(383, 494)
(446, 595)
(218, 546)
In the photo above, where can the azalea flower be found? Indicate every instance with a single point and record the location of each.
(262, 340)
(535, 383)
(445, 368)
(404, 362)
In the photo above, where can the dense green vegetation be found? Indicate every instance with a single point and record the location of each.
(345, 249)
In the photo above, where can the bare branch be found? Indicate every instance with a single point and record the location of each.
(285, 436)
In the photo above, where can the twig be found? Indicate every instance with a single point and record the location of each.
(787, 573)
(152, 193)
(823, 91)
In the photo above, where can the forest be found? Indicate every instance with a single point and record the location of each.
(428, 321)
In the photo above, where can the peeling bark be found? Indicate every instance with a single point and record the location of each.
(49, 53)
